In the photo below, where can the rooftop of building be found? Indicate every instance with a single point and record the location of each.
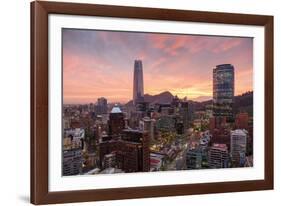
(75, 133)
(118, 139)
(241, 132)
(219, 146)
(112, 154)
(154, 161)
(224, 67)
(146, 119)
(157, 155)
(111, 170)
(73, 129)
(130, 142)
(132, 130)
(195, 150)
(102, 98)
(116, 109)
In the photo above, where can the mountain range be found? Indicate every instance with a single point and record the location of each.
(162, 98)
(243, 102)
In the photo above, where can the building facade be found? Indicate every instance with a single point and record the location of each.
(136, 141)
(184, 114)
(218, 156)
(223, 90)
(73, 145)
(238, 145)
(101, 106)
(194, 159)
(138, 82)
(242, 121)
(131, 150)
(116, 122)
(72, 161)
(148, 125)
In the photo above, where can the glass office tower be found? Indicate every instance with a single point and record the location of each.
(223, 91)
(138, 82)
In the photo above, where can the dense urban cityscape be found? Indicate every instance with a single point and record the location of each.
(160, 132)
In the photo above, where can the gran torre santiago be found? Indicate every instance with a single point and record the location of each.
(138, 82)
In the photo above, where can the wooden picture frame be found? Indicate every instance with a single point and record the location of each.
(40, 193)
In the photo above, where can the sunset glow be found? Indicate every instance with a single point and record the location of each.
(100, 64)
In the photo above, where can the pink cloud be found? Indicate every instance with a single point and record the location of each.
(85, 75)
(168, 44)
(170, 63)
(227, 45)
(159, 41)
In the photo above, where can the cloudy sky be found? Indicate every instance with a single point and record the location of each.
(100, 63)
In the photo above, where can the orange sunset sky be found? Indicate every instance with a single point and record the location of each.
(101, 64)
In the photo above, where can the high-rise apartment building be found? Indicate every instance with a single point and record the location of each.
(184, 114)
(131, 151)
(72, 161)
(223, 91)
(147, 124)
(116, 122)
(101, 106)
(138, 82)
(136, 151)
(73, 145)
(218, 156)
(238, 145)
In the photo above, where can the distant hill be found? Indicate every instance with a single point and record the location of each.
(162, 98)
(202, 98)
(199, 106)
(242, 103)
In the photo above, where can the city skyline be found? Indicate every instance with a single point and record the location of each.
(159, 133)
(100, 63)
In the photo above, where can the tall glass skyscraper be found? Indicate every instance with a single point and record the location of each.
(138, 82)
(223, 91)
